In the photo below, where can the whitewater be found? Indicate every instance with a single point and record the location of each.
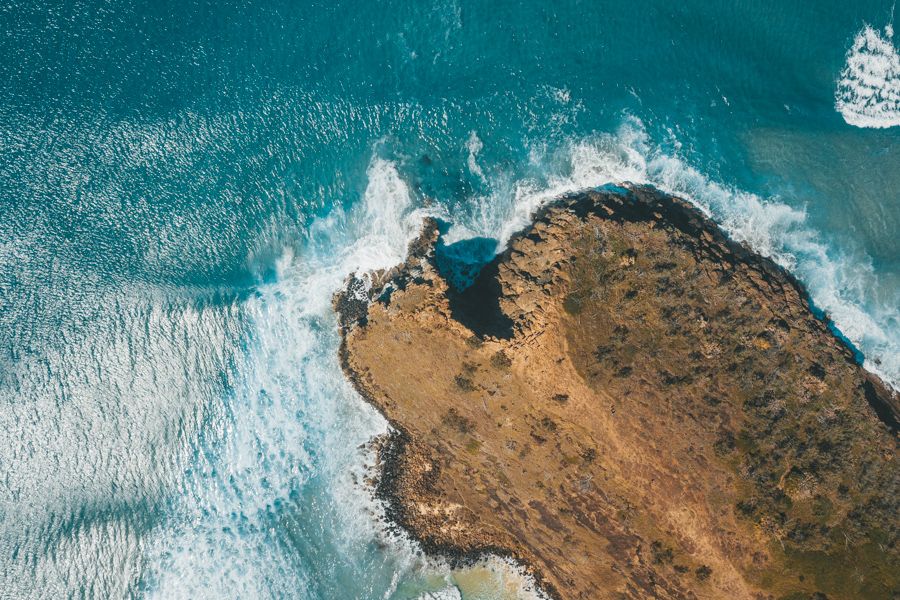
(293, 422)
(293, 425)
(183, 189)
(868, 93)
(294, 362)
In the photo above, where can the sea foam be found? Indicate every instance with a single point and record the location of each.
(281, 499)
(841, 287)
(295, 425)
(296, 422)
(868, 92)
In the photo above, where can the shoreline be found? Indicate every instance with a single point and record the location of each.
(391, 449)
(698, 235)
(885, 398)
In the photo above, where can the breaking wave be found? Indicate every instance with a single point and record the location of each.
(840, 286)
(265, 468)
(286, 482)
(868, 92)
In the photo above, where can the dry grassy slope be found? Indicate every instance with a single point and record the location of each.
(667, 418)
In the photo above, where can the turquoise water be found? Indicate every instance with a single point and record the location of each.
(184, 185)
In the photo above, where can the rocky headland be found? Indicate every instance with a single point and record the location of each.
(631, 405)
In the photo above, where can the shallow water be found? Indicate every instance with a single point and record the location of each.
(185, 184)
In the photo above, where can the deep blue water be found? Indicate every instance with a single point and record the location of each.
(184, 184)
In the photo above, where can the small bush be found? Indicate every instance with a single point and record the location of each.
(725, 443)
(624, 372)
(712, 400)
(703, 572)
(454, 420)
(662, 555)
(500, 360)
(464, 383)
(603, 353)
(573, 304)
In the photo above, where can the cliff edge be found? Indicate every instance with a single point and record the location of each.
(631, 405)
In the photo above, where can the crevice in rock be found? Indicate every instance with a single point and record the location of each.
(478, 306)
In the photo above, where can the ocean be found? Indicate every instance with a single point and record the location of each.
(184, 185)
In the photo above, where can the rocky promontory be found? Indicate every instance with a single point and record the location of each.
(631, 405)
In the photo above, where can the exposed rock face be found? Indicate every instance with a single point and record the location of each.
(633, 406)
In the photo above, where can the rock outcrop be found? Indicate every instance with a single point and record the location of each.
(633, 406)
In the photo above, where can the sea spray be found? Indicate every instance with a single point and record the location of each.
(295, 398)
(148, 148)
(293, 431)
(287, 480)
(868, 92)
(769, 226)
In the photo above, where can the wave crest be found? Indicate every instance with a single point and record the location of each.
(840, 286)
(868, 93)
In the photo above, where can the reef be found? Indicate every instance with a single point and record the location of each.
(631, 405)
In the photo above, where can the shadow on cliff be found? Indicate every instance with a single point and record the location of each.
(470, 267)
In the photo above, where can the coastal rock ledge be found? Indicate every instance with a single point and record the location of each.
(631, 405)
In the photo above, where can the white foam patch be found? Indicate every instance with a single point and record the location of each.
(294, 422)
(474, 145)
(838, 286)
(114, 407)
(297, 422)
(95, 430)
(450, 593)
(868, 92)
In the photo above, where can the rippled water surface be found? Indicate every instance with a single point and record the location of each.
(184, 184)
